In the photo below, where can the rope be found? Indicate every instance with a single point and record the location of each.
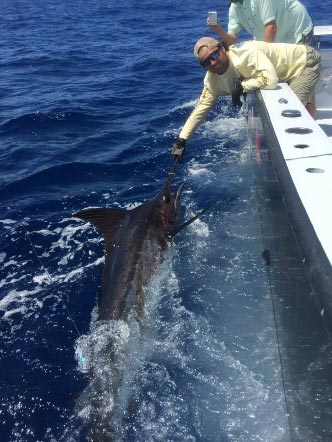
(266, 256)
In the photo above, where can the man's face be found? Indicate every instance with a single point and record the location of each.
(216, 60)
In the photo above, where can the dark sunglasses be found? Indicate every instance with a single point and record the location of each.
(213, 56)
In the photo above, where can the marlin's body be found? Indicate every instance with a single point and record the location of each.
(134, 240)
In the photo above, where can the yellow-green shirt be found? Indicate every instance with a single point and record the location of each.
(258, 65)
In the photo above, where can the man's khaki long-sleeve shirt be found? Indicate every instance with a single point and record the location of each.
(258, 65)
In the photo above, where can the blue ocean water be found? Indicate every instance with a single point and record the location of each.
(94, 94)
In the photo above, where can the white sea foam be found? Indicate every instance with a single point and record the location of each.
(199, 170)
(187, 105)
(174, 132)
(65, 243)
(200, 228)
(131, 206)
(7, 221)
(16, 297)
(220, 126)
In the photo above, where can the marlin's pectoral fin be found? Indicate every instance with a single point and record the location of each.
(191, 220)
(105, 220)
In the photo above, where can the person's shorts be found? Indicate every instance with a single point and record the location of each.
(304, 84)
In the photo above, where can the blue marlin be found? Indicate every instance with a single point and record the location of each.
(134, 242)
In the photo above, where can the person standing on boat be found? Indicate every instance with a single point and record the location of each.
(247, 67)
(272, 21)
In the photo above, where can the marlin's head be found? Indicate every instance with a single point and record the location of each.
(167, 214)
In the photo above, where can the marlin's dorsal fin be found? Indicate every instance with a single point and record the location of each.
(105, 220)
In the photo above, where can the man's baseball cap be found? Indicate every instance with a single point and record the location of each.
(207, 42)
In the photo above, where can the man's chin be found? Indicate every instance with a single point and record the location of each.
(219, 70)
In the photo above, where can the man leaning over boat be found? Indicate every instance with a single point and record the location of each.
(250, 66)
